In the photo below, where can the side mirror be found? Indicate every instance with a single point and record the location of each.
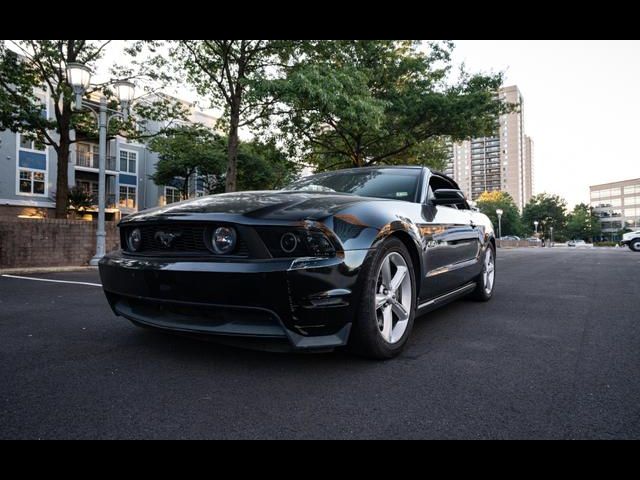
(448, 196)
(473, 205)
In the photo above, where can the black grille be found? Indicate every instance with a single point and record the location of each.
(186, 239)
(180, 239)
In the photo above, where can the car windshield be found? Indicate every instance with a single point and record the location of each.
(393, 183)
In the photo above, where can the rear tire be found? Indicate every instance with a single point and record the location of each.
(485, 282)
(388, 304)
(635, 244)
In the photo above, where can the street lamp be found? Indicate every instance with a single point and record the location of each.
(79, 77)
(551, 235)
(499, 213)
(535, 224)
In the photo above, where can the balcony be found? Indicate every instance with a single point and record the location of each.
(92, 160)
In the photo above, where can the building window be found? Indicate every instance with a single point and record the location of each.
(32, 182)
(630, 190)
(127, 196)
(171, 195)
(128, 161)
(28, 144)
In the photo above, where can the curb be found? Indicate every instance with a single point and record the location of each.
(11, 271)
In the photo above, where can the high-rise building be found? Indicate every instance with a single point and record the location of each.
(617, 205)
(500, 162)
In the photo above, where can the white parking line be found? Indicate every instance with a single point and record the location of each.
(54, 281)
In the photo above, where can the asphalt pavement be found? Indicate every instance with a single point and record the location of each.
(554, 355)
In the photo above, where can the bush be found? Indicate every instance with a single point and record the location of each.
(79, 200)
(604, 244)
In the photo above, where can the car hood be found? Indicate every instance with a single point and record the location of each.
(256, 205)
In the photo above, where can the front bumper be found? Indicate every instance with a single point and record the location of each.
(307, 305)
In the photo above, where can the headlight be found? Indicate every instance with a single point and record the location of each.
(224, 240)
(288, 242)
(318, 245)
(296, 242)
(134, 240)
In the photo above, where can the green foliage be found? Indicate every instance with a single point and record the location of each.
(193, 150)
(234, 76)
(185, 152)
(355, 103)
(605, 244)
(262, 166)
(79, 200)
(31, 65)
(582, 223)
(489, 202)
(549, 211)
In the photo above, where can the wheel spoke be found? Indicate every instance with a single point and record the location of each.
(386, 272)
(399, 310)
(397, 279)
(387, 324)
(380, 300)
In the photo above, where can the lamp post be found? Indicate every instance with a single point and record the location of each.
(79, 77)
(551, 235)
(499, 213)
(535, 224)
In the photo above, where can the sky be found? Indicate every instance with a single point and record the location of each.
(581, 106)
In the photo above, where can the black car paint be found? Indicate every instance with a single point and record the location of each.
(316, 305)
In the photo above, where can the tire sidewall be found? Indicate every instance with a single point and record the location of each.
(633, 243)
(367, 338)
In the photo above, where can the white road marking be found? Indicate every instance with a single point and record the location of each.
(54, 281)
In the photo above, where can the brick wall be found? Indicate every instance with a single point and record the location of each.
(50, 242)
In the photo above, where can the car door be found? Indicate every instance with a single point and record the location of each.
(451, 243)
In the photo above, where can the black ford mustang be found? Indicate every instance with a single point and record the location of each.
(350, 256)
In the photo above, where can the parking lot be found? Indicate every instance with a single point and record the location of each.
(555, 354)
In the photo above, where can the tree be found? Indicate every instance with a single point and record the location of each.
(582, 223)
(33, 64)
(550, 211)
(489, 202)
(232, 74)
(186, 152)
(355, 103)
(263, 166)
(192, 151)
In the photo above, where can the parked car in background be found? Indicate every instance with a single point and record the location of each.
(632, 240)
(578, 243)
(510, 237)
(344, 257)
(534, 239)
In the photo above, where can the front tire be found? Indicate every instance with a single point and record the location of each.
(387, 308)
(485, 282)
(635, 244)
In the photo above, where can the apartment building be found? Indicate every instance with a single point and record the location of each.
(617, 206)
(28, 172)
(503, 161)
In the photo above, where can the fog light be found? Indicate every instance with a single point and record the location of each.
(224, 240)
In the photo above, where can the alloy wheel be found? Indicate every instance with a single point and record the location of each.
(393, 297)
(488, 272)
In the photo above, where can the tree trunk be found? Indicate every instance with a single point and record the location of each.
(232, 153)
(62, 181)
